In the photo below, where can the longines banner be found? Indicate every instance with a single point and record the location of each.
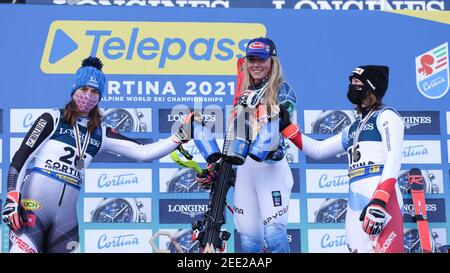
(160, 61)
(276, 4)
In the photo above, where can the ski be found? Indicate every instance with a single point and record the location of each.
(208, 232)
(239, 81)
(416, 183)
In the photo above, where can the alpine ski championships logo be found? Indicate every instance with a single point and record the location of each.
(432, 72)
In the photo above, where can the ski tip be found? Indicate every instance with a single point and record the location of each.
(416, 181)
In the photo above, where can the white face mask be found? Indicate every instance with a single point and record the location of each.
(85, 101)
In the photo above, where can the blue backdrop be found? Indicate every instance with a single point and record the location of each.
(156, 59)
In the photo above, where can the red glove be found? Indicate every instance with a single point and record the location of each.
(14, 213)
(374, 214)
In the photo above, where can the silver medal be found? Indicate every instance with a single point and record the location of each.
(79, 164)
(81, 148)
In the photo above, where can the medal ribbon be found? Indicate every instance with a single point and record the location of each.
(81, 148)
(359, 129)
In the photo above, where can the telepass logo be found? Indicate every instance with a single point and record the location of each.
(162, 48)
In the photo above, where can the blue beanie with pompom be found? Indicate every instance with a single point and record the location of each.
(90, 74)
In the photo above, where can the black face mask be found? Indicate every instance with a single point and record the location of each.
(356, 93)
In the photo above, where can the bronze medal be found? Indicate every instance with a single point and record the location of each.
(356, 155)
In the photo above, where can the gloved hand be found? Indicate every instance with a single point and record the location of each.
(250, 99)
(243, 98)
(374, 214)
(288, 129)
(14, 214)
(184, 133)
(285, 118)
(208, 176)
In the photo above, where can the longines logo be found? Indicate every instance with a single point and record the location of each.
(367, 127)
(180, 118)
(64, 131)
(188, 209)
(181, 211)
(409, 208)
(415, 120)
(171, 119)
(421, 122)
(153, 3)
(435, 208)
(276, 4)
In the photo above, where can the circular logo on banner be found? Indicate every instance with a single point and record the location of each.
(432, 72)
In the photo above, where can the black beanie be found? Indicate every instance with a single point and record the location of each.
(374, 77)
